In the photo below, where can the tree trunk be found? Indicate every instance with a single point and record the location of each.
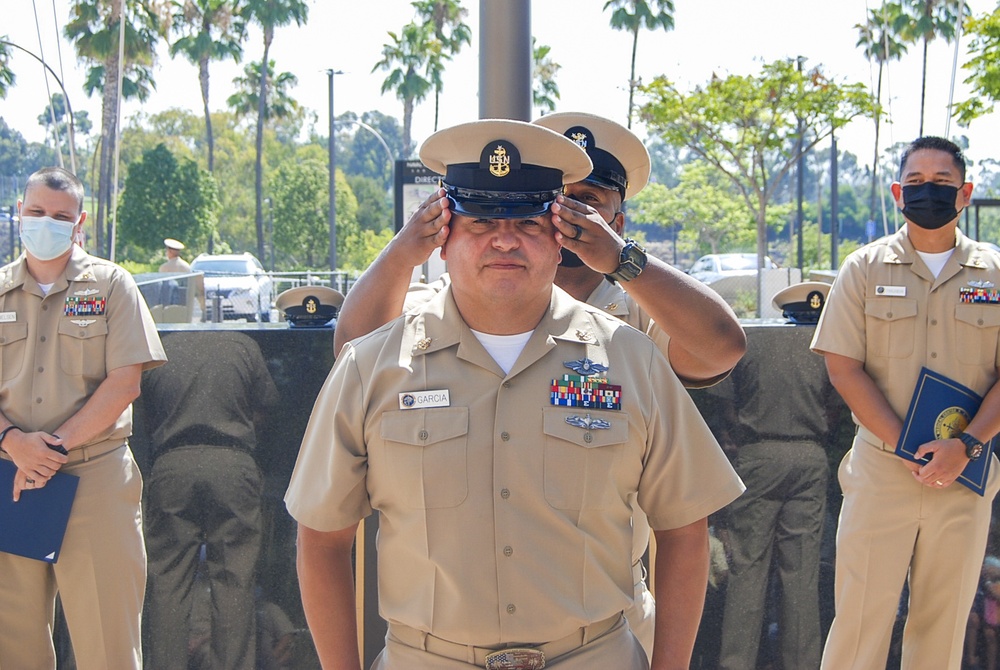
(259, 165)
(407, 123)
(203, 80)
(109, 122)
(923, 90)
(631, 78)
(878, 100)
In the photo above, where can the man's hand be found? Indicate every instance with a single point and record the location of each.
(35, 461)
(426, 230)
(948, 462)
(582, 230)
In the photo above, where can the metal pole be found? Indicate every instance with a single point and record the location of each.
(333, 179)
(505, 59)
(799, 178)
(834, 216)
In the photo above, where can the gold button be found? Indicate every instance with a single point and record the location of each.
(588, 438)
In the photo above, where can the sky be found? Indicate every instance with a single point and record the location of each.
(710, 37)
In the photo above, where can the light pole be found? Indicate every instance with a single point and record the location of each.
(333, 179)
(69, 107)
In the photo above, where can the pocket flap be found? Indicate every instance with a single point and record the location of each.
(91, 327)
(425, 426)
(980, 316)
(556, 425)
(891, 309)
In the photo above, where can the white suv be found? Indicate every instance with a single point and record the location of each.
(240, 282)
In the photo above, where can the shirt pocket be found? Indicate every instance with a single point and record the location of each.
(13, 339)
(976, 330)
(892, 325)
(81, 348)
(579, 462)
(426, 454)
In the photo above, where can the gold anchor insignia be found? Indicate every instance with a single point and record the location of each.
(815, 301)
(311, 306)
(424, 344)
(500, 162)
(580, 139)
(584, 336)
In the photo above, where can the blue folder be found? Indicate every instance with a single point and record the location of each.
(941, 408)
(35, 525)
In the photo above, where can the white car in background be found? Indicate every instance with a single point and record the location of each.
(714, 267)
(240, 283)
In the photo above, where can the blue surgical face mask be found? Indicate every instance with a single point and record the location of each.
(46, 238)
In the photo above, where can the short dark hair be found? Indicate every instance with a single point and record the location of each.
(57, 179)
(937, 144)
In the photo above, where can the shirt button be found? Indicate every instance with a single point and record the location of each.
(42, 338)
(41, 369)
(588, 438)
(508, 551)
(504, 493)
(506, 385)
(888, 315)
(933, 354)
(980, 322)
(45, 308)
(505, 436)
(38, 401)
(933, 322)
(422, 435)
(511, 609)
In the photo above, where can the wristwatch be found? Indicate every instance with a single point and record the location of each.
(630, 263)
(973, 447)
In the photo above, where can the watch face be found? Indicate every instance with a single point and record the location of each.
(975, 451)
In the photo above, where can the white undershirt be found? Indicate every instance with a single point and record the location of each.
(935, 261)
(46, 288)
(503, 348)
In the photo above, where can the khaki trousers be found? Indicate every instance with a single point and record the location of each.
(100, 577)
(891, 525)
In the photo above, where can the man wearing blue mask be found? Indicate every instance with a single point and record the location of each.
(925, 296)
(75, 336)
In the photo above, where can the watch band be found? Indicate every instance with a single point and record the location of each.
(973, 447)
(631, 262)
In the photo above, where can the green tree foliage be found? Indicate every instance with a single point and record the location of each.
(450, 34)
(544, 89)
(94, 27)
(7, 77)
(208, 30)
(269, 15)
(632, 16)
(983, 66)
(359, 151)
(404, 57)
(279, 104)
(746, 126)
(166, 197)
(711, 216)
(302, 209)
(375, 207)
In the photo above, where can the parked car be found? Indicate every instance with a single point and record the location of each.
(713, 267)
(240, 282)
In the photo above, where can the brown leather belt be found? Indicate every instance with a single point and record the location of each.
(514, 657)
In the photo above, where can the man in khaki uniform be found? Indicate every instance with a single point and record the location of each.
(174, 261)
(500, 429)
(701, 350)
(75, 336)
(923, 297)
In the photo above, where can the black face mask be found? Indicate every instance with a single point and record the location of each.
(930, 205)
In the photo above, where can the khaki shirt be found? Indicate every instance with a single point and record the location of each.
(55, 350)
(500, 520)
(177, 264)
(887, 310)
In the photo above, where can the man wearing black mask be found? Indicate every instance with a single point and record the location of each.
(925, 296)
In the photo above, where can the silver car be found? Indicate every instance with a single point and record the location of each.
(240, 284)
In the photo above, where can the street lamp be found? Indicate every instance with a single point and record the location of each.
(69, 107)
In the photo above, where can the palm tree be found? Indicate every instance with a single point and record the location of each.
(445, 16)
(94, 28)
(269, 15)
(633, 15)
(210, 30)
(6, 74)
(544, 90)
(881, 44)
(404, 58)
(279, 103)
(922, 21)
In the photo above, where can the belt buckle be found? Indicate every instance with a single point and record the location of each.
(516, 658)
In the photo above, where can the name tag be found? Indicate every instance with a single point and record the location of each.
(422, 399)
(8, 317)
(891, 291)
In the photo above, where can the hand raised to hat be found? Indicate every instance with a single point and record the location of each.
(582, 230)
(426, 230)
